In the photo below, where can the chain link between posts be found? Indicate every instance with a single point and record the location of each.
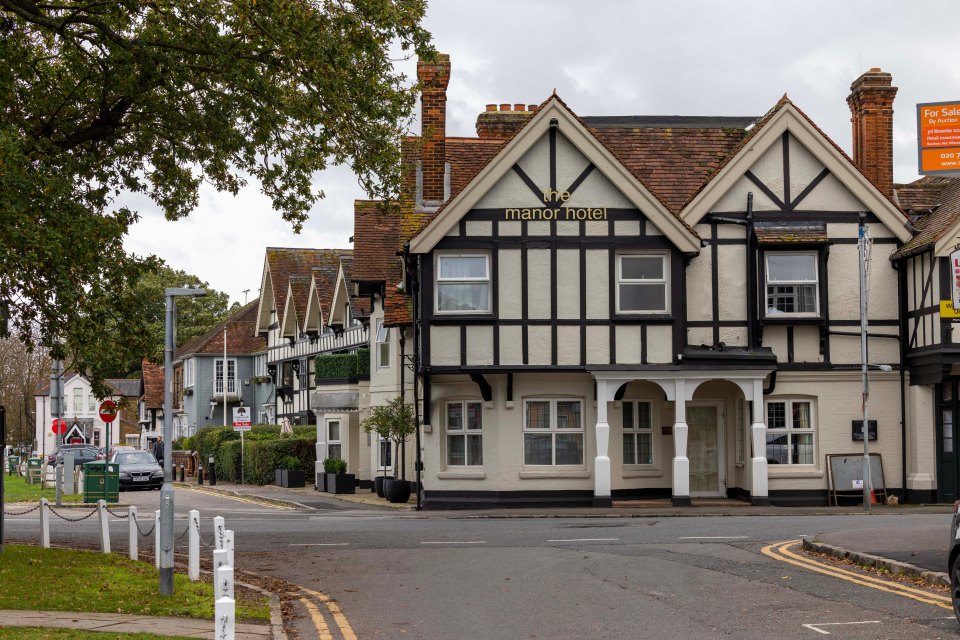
(20, 513)
(141, 531)
(196, 525)
(80, 519)
(122, 516)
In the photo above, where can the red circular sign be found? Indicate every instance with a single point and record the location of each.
(58, 426)
(108, 410)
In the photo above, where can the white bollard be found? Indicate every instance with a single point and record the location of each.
(104, 526)
(224, 620)
(44, 523)
(219, 528)
(156, 538)
(132, 537)
(228, 546)
(224, 585)
(194, 538)
(219, 560)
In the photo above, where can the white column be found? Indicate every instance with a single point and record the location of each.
(104, 526)
(224, 627)
(193, 562)
(132, 538)
(601, 464)
(759, 491)
(219, 530)
(681, 463)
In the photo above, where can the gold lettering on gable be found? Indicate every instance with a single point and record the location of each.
(564, 213)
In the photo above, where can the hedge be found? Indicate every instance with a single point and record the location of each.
(343, 365)
(264, 449)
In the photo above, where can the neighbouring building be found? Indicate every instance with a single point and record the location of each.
(81, 413)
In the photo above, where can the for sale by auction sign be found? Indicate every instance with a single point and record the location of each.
(938, 135)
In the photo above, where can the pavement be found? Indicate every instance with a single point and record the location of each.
(919, 552)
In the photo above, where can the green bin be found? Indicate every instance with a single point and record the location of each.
(101, 481)
(13, 462)
(34, 470)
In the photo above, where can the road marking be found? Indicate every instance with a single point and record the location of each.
(457, 542)
(321, 625)
(244, 499)
(816, 627)
(586, 540)
(318, 544)
(781, 551)
(713, 538)
(345, 629)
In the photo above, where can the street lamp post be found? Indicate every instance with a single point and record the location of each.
(166, 492)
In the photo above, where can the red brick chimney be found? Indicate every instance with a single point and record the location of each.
(871, 105)
(433, 77)
(503, 123)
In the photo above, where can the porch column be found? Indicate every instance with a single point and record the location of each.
(759, 491)
(681, 463)
(601, 464)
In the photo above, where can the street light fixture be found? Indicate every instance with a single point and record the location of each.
(166, 492)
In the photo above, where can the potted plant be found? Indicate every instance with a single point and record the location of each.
(338, 480)
(396, 421)
(290, 474)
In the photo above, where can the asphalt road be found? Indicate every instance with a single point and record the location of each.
(411, 575)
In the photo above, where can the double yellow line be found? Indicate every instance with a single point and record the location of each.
(782, 551)
(230, 496)
(346, 631)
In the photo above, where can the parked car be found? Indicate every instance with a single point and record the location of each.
(119, 448)
(82, 454)
(138, 469)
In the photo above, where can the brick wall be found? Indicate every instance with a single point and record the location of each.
(433, 77)
(503, 123)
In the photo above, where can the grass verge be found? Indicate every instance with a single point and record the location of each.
(16, 489)
(66, 580)
(34, 633)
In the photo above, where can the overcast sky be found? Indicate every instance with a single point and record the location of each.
(610, 57)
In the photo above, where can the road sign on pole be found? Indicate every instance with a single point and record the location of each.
(108, 413)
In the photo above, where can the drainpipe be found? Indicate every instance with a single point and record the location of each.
(415, 292)
(752, 308)
(901, 299)
(403, 395)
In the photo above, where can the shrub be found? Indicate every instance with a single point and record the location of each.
(343, 365)
(289, 463)
(335, 465)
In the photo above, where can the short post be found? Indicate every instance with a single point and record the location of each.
(44, 523)
(156, 538)
(228, 545)
(219, 562)
(182, 476)
(224, 610)
(68, 473)
(199, 474)
(212, 473)
(219, 530)
(132, 538)
(194, 562)
(104, 526)
(224, 585)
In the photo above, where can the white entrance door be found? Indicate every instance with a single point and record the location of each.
(705, 449)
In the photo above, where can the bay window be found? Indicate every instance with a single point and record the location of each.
(463, 283)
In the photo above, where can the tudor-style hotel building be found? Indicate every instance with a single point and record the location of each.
(615, 307)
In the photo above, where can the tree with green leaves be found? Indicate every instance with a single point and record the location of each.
(100, 100)
(394, 420)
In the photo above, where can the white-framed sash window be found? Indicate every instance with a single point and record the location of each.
(793, 284)
(385, 455)
(643, 283)
(77, 400)
(383, 345)
(553, 432)
(637, 432)
(464, 423)
(334, 445)
(231, 375)
(188, 372)
(463, 283)
(791, 431)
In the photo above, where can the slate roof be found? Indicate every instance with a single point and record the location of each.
(152, 384)
(126, 387)
(241, 339)
(936, 204)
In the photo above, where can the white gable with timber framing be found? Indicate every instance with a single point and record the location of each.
(520, 176)
(789, 165)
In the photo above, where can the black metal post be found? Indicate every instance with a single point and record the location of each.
(199, 474)
(212, 473)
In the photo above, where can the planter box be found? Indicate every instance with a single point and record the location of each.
(341, 482)
(321, 482)
(290, 479)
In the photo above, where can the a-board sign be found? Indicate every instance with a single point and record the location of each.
(241, 419)
(845, 476)
(938, 137)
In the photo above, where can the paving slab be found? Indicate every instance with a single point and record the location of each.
(126, 623)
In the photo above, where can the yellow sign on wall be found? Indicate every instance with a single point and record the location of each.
(947, 309)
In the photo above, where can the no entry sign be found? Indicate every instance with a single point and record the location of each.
(108, 410)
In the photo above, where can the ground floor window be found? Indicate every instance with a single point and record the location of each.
(637, 432)
(96, 438)
(790, 432)
(552, 432)
(464, 433)
(334, 447)
(132, 441)
(385, 454)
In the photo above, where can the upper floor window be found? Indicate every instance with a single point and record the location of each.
(383, 345)
(91, 403)
(792, 284)
(188, 372)
(77, 400)
(642, 283)
(231, 376)
(463, 283)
